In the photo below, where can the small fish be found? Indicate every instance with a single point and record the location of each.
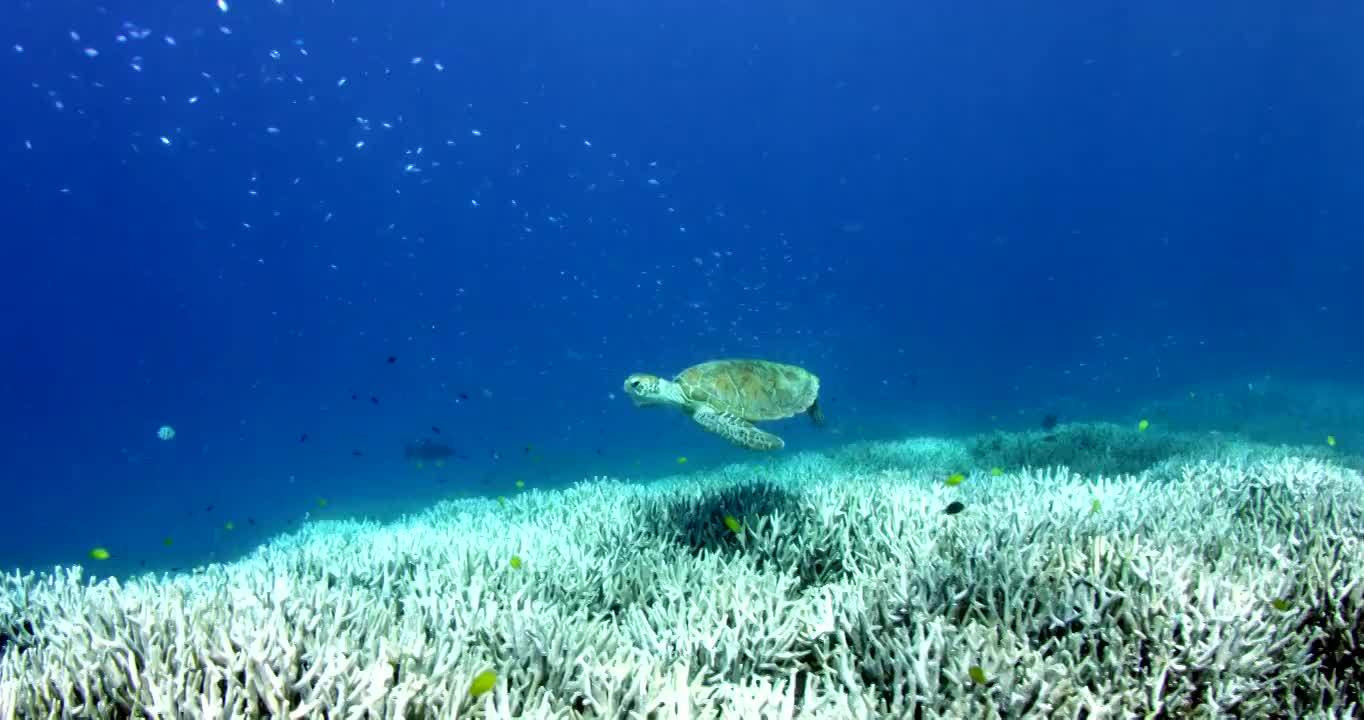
(520, 483)
(322, 502)
(463, 396)
(208, 508)
(1331, 440)
(1281, 605)
(977, 674)
(516, 562)
(1095, 506)
(435, 429)
(1141, 426)
(427, 450)
(421, 466)
(954, 480)
(734, 525)
(996, 472)
(374, 399)
(1049, 421)
(501, 501)
(483, 682)
(529, 448)
(303, 437)
(356, 453)
(954, 507)
(682, 460)
(392, 359)
(99, 553)
(251, 521)
(1048, 438)
(229, 525)
(168, 541)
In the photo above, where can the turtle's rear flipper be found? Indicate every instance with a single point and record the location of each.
(737, 430)
(816, 415)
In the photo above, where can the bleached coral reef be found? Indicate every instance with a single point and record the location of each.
(1218, 589)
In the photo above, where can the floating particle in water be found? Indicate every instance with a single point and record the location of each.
(222, 5)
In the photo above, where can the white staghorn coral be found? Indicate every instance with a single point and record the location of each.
(1218, 588)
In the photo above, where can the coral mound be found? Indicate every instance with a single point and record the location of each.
(1222, 589)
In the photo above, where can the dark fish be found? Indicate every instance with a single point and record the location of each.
(208, 508)
(392, 359)
(953, 508)
(428, 450)
(251, 520)
(374, 399)
(1049, 421)
(356, 453)
(463, 396)
(354, 395)
(1049, 438)
(435, 429)
(303, 437)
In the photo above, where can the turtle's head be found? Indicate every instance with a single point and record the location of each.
(645, 389)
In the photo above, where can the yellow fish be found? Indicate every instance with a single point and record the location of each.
(99, 553)
(1280, 604)
(501, 500)
(977, 674)
(732, 524)
(1331, 440)
(996, 472)
(1141, 426)
(954, 480)
(168, 541)
(516, 562)
(229, 526)
(483, 682)
(322, 502)
(420, 466)
(1095, 507)
(520, 483)
(682, 460)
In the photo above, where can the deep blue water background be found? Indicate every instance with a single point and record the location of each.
(961, 215)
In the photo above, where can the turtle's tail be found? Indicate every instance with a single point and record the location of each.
(816, 415)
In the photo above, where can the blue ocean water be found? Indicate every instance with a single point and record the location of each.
(304, 234)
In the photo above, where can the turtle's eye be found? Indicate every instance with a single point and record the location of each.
(636, 384)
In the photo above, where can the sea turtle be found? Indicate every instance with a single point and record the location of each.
(727, 396)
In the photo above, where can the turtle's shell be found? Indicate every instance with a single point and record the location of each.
(752, 389)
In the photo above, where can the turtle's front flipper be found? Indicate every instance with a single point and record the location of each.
(737, 430)
(816, 415)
